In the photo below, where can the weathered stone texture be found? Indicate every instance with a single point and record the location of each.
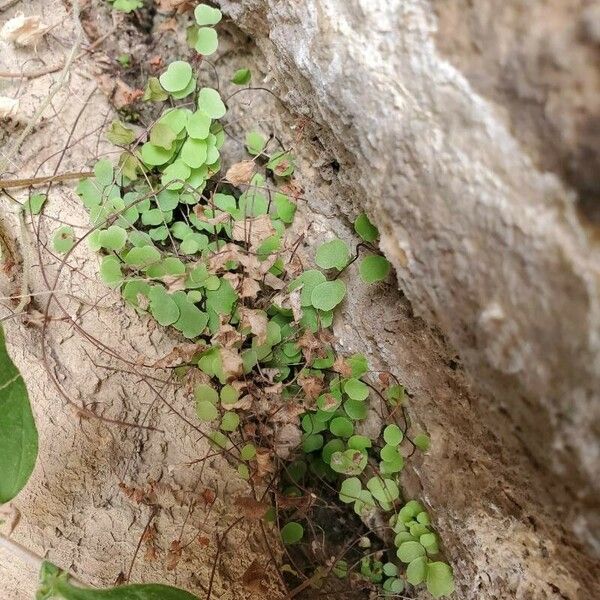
(471, 154)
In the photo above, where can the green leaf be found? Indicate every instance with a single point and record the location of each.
(356, 389)
(120, 135)
(292, 532)
(333, 255)
(229, 395)
(35, 203)
(383, 490)
(359, 442)
(365, 229)
(207, 41)
(230, 421)
(63, 239)
(113, 238)
(193, 152)
(335, 445)
(154, 92)
(18, 434)
(104, 172)
(356, 409)
(393, 435)
(312, 442)
(162, 135)
(192, 321)
(142, 256)
(248, 452)
(342, 427)
(241, 77)
(177, 76)
(282, 164)
(127, 6)
(408, 551)
(390, 569)
(186, 91)
(207, 15)
(416, 570)
(198, 125)
(374, 268)
(110, 271)
(209, 101)
(162, 306)
(206, 411)
(175, 175)
(350, 490)
(422, 442)
(54, 584)
(440, 580)
(349, 462)
(285, 209)
(327, 295)
(255, 143)
(206, 393)
(155, 155)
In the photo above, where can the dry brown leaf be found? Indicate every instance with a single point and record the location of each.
(240, 173)
(175, 283)
(180, 354)
(24, 31)
(250, 288)
(256, 320)
(342, 367)
(208, 496)
(156, 62)
(287, 439)
(311, 386)
(231, 363)
(174, 555)
(264, 463)
(274, 282)
(253, 577)
(124, 95)
(251, 508)
(226, 337)
(221, 217)
(168, 6)
(295, 305)
(254, 231)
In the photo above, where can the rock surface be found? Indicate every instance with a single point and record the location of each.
(474, 162)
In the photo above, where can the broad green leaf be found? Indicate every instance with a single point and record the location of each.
(282, 164)
(192, 321)
(206, 411)
(155, 155)
(110, 271)
(374, 268)
(248, 452)
(120, 135)
(63, 239)
(422, 441)
(162, 306)
(335, 445)
(207, 15)
(186, 91)
(390, 569)
(333, 255)
(356, 410)
(113, 238)
(393, 435)
(285, 209)
(162, 135)
(394, 585)
(292, 532)
(356, 389)
(230, 421)
(440, 580)
(175, 175)
(312, 442)
(342, 427)
(209, 101)
(104, 172)
(416, 570)
(327, 295)
(54, 584)
(350, 490)
(198, 125)
(383, 490)
(255, 143)
(206, 393)
(177, 76)
(359, 442)
(348, 462)
(365, 229)
(241, 77)
(193, 152)
(18, 434)
(207, 41)
(154, 92)
(408, 551)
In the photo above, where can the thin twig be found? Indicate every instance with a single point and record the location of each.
(6, 184)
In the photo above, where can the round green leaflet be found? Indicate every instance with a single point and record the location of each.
(374, 268)
(335, 445)
(192, 321)
(229, 395)
(350, 490)
(416, 570)
(423, 518)
(162, 306)
(333, 255)
(175, 175)
(177, 76)
(209, 101)
(292, 532)
(186, 91)
(176, 119)
(408, 551)
(155, 155)
(349, 462)
(365, 229)
(359, 442)
(113, 238)
(327, 295)
(206, 411)
(230, 421)
(356, 410)
(104, 172)
(356, 389)
(207, 15)
(342, 427)
(206, 393)
(110, 271)
(393, 435)
(241, 77)
(162, 135)
(312, 442)
(63, 239)
(198, 125)
(390, 569)
(440, 580)
(248, 452)
(422, 441)
(142, 256)
(255, 143)
(207, 41)
(383, 490)
(193, 153)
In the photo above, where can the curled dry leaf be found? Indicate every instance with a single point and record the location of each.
(250, 288)
(312, 386)
(254, 231)
(231, 363)
(240, 173)
(222, 217)
(256, 320)
(287, 439)
(179, 354)
(264, 464)
(9, 107)
(253, 577)
(226, 337)
(24, 31)
(174, 555)
(251, 508)
(342, 367)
